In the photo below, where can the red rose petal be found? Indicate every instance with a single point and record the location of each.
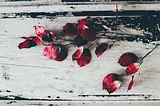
(130, 84)
(44, 34)
(88, 34)
(34, 38)
(51, 51)
(82, 27)
(77, 54)
(40, 31)
(85, 58)
(52, 35)
(27, 44)
(85, 21)
(101, 49)
(132, 68)
(49, 37)
(70, 29)
(55, 52)
(111, 82)
(127, 58)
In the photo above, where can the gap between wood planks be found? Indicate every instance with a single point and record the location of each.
(144, 98)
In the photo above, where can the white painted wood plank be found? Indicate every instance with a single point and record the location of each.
(36, 7)
(84, 103)
(32, 75)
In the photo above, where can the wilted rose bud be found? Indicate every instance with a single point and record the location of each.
(132, 68)
(111, 82)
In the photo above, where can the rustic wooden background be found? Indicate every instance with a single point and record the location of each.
(28, 78)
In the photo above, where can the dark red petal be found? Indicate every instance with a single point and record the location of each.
(111, 82)
(49, 37)
(132, 68)
(62, 54)
(52, 36)
(77, 54)
(85, 21)
(101, 49)
(55, 52)
(79, 41)
(127, 58)
(70, 29)
(40, 31)
(88, 34)
(37, 40)
(85, 58)
(27, 44)
(34, 38)
(82, 27)
(130, 84)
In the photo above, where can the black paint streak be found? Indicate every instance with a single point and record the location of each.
(112, 13)
(11, 102)
(82, 13)
(12, 97)
(128, 95)
(18, 98)
(8, 91)
(75, 0)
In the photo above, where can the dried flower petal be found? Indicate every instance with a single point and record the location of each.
(130, 84)
(77, 54)
(132, 68)
(79, 41)
(40, 31)
(101, 49)
(70, 29)
(27, 44)
(88, 34)
(56, 52)
(85, 21)
(44, 34)
(85, 58)
(50, 37)
(82, 56)
(111, 82)
(34, 38)
(127, 58)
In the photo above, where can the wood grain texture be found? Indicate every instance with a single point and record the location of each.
(28, 75)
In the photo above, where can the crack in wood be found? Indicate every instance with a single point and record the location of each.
(26, 66)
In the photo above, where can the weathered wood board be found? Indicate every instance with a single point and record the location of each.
(27, 75)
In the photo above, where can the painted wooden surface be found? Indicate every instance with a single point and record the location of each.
(28, 75)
